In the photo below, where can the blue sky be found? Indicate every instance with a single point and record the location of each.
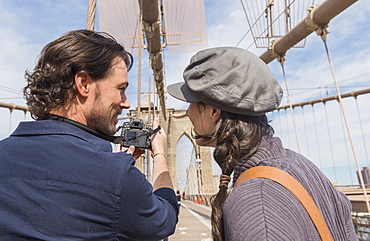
(26, 26)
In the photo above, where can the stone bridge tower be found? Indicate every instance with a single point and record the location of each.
(176, 126)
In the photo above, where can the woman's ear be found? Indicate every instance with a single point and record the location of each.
(83, 82)
(216, 113)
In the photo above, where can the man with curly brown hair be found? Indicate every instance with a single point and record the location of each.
(59, 179)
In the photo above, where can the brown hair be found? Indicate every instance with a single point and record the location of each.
(51, 84)
(238, 137)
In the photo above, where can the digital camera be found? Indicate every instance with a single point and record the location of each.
(136, 133)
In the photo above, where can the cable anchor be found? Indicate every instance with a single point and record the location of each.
(280, 57)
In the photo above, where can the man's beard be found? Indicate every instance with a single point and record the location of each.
(99, 119)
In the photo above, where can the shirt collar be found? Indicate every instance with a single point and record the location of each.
(53, 127)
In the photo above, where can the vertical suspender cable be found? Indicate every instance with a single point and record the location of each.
(138, 111)
(317, 136)
(323, 36)
(290, 104)
(287, 127)
(140, 57)
(305, 132)
(331, 146)
(362, 132)
(90, 21)
(150, 114)
(149, 120)
(345, 144)
(10, 119)
(281, 129)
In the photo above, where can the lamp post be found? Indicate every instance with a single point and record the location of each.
(198, 165)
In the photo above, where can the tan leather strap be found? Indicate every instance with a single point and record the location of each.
(296, 188)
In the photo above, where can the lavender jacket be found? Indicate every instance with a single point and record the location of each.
(261, 209)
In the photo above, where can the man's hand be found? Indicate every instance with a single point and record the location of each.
(136, 153)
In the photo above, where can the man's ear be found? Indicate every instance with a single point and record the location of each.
(83, 82)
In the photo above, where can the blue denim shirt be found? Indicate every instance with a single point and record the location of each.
(58, 182)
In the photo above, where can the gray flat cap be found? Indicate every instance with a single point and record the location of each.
(230, 79)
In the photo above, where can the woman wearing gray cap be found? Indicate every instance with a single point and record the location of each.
(229, 91)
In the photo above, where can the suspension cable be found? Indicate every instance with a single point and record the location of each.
(281, 59)
(10, 120)
(362, 132)
(317, 136)
(305, 132)
(90, 21)
(330, 142)
(322, 31)
(281, 129)
(287, 126)
(345, 144)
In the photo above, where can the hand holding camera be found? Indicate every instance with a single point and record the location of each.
(136, 133)
(158, 140)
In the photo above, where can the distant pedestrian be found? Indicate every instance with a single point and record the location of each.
(178, 195)
(230, 90)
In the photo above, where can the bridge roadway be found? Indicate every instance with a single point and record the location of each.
(194, 223)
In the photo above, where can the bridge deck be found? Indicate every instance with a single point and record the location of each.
(194, 223)
(356, 196)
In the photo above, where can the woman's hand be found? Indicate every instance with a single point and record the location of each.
(158, 139)
(161, 175)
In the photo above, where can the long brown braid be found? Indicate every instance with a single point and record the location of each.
(238, 137)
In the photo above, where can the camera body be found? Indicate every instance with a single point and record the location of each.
(136, 133)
